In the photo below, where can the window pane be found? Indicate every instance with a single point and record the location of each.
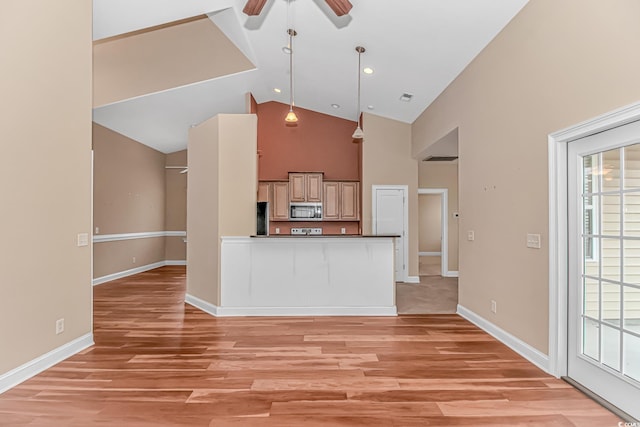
(632, 309)
(590, 339)
(632, 166)
(632, 261)
(611, 347)
(591, 173)
(611, 303)
(591, 256)
(632, 356)
(610, 170)
(610, 215)
(591, 297)
(631, 215)
(611, 259)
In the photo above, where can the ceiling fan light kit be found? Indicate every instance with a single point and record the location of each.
(358, 134)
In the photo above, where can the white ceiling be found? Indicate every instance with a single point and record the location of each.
(414, 46)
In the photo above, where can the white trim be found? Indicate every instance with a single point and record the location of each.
(429, 253)
(374, 211)
(413, 279)
(558, 211)
(451, 274)
(175, 262)
(444, 225)
(126, 273)
(34, 367)
(201, 304)
(533, 355)
(306, 311)
(100, 238)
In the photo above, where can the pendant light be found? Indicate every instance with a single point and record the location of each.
(291, 115)
(358, 134)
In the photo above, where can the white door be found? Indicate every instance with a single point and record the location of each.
(390, 218)
(604, 265)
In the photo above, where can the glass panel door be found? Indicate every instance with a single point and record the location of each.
(604, 265)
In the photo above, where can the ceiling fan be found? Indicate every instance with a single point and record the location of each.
(339, 7)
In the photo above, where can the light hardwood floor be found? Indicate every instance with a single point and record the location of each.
(159, 362)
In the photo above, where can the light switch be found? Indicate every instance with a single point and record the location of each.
(83, 239)
(533, 241)
(471, 236)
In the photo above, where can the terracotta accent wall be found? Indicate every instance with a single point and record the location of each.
(45, 179)
(129, 197)
(175, 206)
(556, 64)
(444, 175)
(319, 143)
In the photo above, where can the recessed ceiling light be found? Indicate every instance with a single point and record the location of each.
(276, 90)
(336, 106)
(406, 97)
(286, 50)
(370, 107)
(368, 70)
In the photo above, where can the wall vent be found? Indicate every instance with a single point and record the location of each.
(440, 158)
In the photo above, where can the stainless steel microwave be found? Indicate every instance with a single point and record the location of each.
(305, 212)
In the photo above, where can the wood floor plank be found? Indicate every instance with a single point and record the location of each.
(160, 362)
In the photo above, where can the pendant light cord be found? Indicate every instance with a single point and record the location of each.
(291, 33)
(358, 117)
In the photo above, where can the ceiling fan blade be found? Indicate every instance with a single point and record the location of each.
(340, 7)
(254, 7)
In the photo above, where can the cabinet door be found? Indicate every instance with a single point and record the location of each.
(314, 187)
(297, 188)
(263, 191)
(350, 201)
(280, 201)
(331, 201)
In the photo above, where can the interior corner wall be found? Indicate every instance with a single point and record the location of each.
(176, 206)
(129, 197)
(444, 175)
(554, 65)
(203, 243)
(386, 160)
(45, 179)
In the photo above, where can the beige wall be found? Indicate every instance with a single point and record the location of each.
(129, 197)
(386, 160)
(45, 179)
(556, 64)
(444, 175)
(429, 223)
(176, 206)
(162, 58)
(221, 195)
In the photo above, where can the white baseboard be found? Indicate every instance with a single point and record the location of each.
(217, 311)
(450, 274)
(131, 272)
(412, 279)
(39, 364)
(201, 304)
(533, 355)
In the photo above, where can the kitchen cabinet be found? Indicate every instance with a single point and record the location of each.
(279, 201)
(305, 187)
(263, 191)
(341, 201)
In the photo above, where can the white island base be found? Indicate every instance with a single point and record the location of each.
(307, 276)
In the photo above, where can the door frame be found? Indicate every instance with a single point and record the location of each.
(558, 226)
(444, 227)
(374, 219)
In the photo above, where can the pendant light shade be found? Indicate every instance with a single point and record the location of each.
(291, 115)
(358, 134)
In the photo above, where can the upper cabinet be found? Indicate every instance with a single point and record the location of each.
(305, 187)
(341, 201)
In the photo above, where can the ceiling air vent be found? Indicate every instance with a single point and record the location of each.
(440, 158)
(406, 97)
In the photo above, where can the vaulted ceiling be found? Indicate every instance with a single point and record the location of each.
(161, 66)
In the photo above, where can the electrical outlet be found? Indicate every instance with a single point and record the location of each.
(494, 307)
(133, 260)
(59, 326)
(471, 235)
(343, 230)
(97, 230)
(277, 230)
